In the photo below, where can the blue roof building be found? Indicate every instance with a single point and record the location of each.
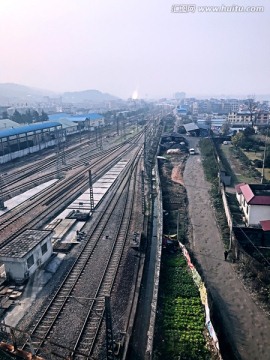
(76, 118)
(28, 128)
(26, 139)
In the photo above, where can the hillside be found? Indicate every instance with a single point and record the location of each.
(20, 93)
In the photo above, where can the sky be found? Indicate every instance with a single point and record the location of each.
(126, 45)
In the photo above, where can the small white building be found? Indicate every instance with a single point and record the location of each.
(24, 254)
(254, 201)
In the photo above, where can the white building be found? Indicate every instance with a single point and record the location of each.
(28, 251)
(244, 118)
(254, 201)
(240, 118)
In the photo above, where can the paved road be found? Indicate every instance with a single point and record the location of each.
(247, 325)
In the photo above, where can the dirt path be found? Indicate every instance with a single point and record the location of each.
(247, 325)
(177, 174)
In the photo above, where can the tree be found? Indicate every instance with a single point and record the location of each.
(5, 115)
(238, 139)
(28, 117)
(249, 131)
(225, 129)
(17, 117)
(252, 107)
(44, 116)
(35, 116)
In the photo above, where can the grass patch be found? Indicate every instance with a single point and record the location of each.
(211, 170)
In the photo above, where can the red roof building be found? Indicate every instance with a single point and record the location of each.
(254, 200)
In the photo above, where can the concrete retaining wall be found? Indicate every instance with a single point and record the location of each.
(151, 330)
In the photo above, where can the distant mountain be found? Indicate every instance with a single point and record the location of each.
(87, 96)
(16, 92)
(25, 94)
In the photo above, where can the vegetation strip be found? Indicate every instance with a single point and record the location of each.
(181, 328)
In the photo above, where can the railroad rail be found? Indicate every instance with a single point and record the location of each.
(63, 308)
(48, 203)
(45, 169)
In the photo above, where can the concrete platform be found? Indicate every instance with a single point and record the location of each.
(62, 228)
(100, 188)
(19, 199)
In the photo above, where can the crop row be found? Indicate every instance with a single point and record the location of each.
(182, 321)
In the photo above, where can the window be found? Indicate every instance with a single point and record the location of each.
(44, 248)
(30, 261)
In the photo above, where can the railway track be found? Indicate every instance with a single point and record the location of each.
(45, 169)
(86, 341)
(34, 212)
(57, 315)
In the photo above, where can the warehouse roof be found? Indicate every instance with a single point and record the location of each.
(28, 128)
(77, 117)
(66, 123)
(7, 124)
(57, 116)
(191, 127)
(23, 243)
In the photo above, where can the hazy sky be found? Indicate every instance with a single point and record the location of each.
(122, 45)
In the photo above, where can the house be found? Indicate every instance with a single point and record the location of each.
(26, 139)
(23, 255)
(83, 121)
(254, 200)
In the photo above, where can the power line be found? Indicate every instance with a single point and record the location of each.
(254, 246)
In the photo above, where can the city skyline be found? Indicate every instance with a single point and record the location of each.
(145, 47)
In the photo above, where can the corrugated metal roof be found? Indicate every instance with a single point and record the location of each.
(28, 128)
(191, 127)
(251, 197)
(247, 192)
(238, 188)
(265, 224)
(77, 117)
(260, 200)
(7, 124)
(66, 123)
(57, 116)
(23, 243)
(94, 116)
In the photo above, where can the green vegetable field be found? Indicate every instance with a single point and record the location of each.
(180, 324)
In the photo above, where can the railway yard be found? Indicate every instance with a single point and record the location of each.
(91, 202)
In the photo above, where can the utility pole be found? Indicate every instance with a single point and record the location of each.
(124, 128)
(96, 131)
(143, 194)
(89, 131)
(91, 193)
(117, 124)
(100, 137)
(58, 156)
(2, 204)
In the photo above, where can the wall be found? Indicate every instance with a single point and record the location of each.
(233, 247)
(256, 213)
(9, 157)
(150, 340)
